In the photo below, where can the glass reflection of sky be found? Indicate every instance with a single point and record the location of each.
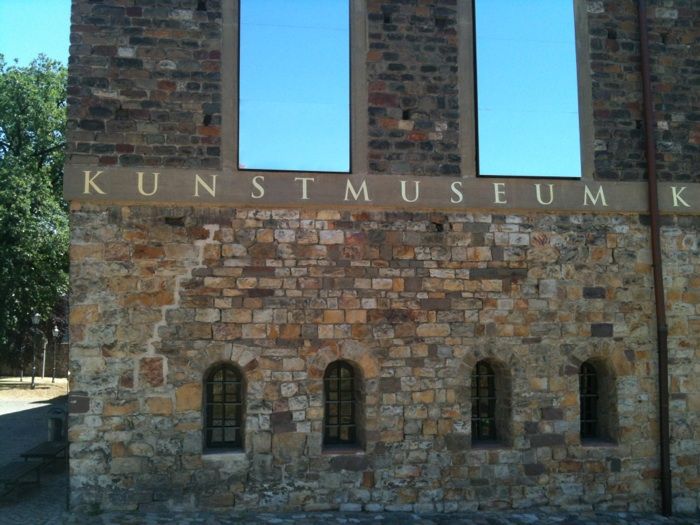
(527, 88)
(294, 107)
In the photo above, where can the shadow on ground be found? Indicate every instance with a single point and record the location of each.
(24, 424)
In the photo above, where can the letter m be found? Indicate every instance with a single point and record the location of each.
(350, 189)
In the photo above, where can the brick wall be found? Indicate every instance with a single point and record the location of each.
(145, 86)
(144, 83)
(617, 96)
(413, 88)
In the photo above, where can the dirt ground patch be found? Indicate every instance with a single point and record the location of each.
(11, 388)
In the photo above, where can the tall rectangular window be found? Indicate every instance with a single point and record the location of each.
(294, 85)
(527, 88)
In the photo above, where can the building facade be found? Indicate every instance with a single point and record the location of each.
(405, 336)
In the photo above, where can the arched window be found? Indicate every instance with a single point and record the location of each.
(339, 388)
(483, 403)
(224, 408)
(589, 394)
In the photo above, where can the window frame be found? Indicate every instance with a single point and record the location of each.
(483, 369)
(337, 442)
(207, 415)
(359, 119)
(467, 93)
(589, 401)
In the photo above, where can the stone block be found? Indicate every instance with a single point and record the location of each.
(120, 408)
(282, 422)
(288, 447)
(601, 330)
(126, 466)
(262, 442)
(593, 292)
(331, 237)
(352, 462)
(534, 469)
(151, 371)
(84, 314)
(547, 440)
(433, 330)
(159, 406)
(458, 442)
(188, 397)
(551, 413)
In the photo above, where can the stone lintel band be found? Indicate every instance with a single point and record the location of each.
(317, 190)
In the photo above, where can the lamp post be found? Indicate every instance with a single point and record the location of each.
(55, 332)
(36, 319)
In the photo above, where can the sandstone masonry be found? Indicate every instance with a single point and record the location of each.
(412, 299)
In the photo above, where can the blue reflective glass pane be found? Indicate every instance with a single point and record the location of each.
(294, 100)
(528, 112)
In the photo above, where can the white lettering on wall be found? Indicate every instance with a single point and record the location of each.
(677, 197)
(538, 191)
(90, 183)
(350, 189)
(457, 192)
(261, 191)
(199, 181)
(304, 181)
(594, 199)
(499, 192)
(416, 186)
(140, 184)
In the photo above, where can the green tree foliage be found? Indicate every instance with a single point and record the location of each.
(33, 215)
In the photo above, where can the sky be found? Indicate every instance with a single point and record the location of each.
(30, 27)
(295, 85)
(528, 117)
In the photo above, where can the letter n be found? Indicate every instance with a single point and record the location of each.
(198, 181)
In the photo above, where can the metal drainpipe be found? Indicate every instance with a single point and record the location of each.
(661, 327)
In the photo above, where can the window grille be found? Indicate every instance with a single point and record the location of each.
(340, 425)
(224, 408)
(588, 392)
(483, 403)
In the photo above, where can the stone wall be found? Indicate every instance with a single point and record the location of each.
(681, 245)
(414, 300)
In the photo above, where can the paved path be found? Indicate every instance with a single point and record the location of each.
(347, 518)
(23, 424)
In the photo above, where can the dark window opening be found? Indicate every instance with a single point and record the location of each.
(224, 408)
(589, 394)
(483, 403)
(340, 424)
